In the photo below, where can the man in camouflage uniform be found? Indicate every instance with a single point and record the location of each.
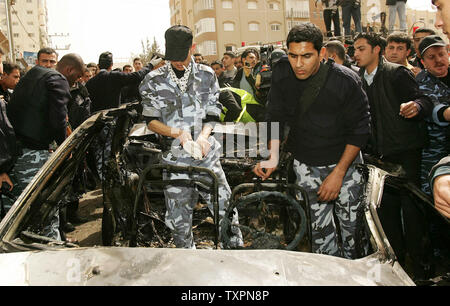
(327, 129)
(434, 82)
(180, 101)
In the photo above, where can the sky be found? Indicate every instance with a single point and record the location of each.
(118, 26)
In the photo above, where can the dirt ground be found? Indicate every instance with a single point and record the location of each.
(89, 233)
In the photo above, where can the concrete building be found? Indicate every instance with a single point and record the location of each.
(222, 25)
(29, 25)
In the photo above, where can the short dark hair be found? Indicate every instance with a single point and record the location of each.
(400, 37)
(198, 54)
(126, 66)
(137, 59)
(9, 67)
(217, 63)
(46, 51)
(105, 60)
(336, 47)
(248, 51)
(373, 40)
(425, 30)
(306, 32)
(73, 60)
(92, 65)
(230, 54)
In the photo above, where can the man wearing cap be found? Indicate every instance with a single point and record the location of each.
(180, 102)
(434, 81)
(398, 110)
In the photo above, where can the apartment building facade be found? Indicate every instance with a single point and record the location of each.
(29, 25)
(226, 25)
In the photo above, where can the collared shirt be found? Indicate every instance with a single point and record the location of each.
(369, 76)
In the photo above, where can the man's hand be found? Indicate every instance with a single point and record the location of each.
(270, 166)
(184, 136)
(441, 193)
(409, 110)
(204, 143)
(331, 186)
(416, 70)
(4, 178)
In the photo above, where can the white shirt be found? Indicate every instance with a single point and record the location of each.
(369, 77)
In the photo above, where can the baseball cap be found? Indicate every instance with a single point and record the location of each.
(178, 43)
(431, 41)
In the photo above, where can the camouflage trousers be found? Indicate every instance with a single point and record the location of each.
(180, 201)
(26, 167)
(346, 207)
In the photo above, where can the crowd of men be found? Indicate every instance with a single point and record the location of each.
(389, 98)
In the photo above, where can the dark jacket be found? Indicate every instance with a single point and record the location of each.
(393, 85)
(338, 116)
(104, 89)
(38, 108)
(8, 148)
(79, 108)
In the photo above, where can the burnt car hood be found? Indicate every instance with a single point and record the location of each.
(175, 267)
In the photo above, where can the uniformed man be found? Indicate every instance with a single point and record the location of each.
(434, 81)
(329, 120)
(38, 112)
(180, 102)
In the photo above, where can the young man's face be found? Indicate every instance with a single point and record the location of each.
(86, 76)
(128, 69)
(417, 38)
(137, 64)
(10, 81)
(227, 61)
(238, 62)
(217, 69)
(251, 60)
(435, 60)
(47, 60)
(397, 52)
(443, 16)
(365, 55)
(304, 59)
(198, 59)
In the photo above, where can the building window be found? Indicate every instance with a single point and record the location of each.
(30, 23)
(16, 34)
(30, 12)
(275, 27)
(297, 9)
(252, 5)
(274, 6)
(253, 26)
(30, 34)
(208, 47)
(200, 5)
(227, 4)
(228, 26)
(205, 25)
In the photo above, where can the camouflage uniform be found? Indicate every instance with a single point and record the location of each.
(438, 131)
(347, 208)
(25, 169)
(186, 109)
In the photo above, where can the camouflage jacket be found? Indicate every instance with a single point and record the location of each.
(162, 98)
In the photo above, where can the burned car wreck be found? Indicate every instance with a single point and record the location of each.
(137, 247)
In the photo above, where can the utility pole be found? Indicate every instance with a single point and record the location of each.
(12, 52)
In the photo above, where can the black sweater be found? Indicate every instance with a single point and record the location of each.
(104, 89)
(339, 115)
